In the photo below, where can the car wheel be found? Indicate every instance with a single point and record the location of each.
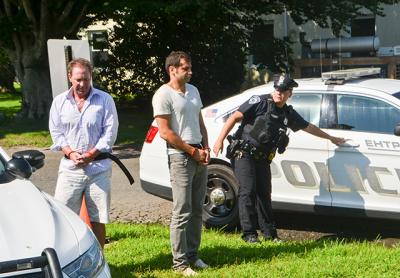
(220, 208)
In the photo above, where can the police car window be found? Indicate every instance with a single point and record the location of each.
(226, 116)
(367, 114)
(308, 106)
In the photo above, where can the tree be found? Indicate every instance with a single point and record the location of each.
(215, 32)
(7, 73)
(25, 27)
(147, 31)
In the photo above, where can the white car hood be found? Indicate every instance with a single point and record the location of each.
(31, 221)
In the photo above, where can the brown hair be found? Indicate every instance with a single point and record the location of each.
(174, 59)
(81, 62)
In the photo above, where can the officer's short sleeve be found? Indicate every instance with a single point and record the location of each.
(250, 106)
(296, 122)
(161, 103)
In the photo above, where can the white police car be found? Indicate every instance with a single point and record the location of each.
(40, 237)
(359, 178)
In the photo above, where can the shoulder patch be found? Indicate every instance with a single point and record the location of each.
(254, 99)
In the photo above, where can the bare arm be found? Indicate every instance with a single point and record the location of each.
(230, 123)
(312, 129)
(204, 135)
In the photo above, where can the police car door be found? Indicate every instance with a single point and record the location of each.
(296, 172)
(364, 173)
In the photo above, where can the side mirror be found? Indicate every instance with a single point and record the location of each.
(397, 130)
(19, 167)
(34, 157)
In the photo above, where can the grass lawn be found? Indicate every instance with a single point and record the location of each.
(138, 250)
(133, 125)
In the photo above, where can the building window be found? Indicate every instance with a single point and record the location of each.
(98, 40)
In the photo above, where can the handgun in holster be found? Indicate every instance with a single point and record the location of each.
(283, 141)
(233, 147)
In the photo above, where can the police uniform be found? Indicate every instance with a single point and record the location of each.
(262, 124)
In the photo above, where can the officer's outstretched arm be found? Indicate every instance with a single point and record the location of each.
(312, 129)
(229, 124)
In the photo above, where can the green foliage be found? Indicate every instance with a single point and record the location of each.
(215, 32)
(148, 31)
(138, 250)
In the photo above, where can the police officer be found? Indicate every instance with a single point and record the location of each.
(264, 120)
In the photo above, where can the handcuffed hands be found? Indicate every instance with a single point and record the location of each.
(202, 156)
(81, 160)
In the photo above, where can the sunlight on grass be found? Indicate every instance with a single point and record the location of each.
(9, 104)
(40, 139)
(133, 125)
(138, 250)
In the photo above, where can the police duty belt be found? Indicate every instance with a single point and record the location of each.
(102, 156)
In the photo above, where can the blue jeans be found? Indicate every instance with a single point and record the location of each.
(188, 181)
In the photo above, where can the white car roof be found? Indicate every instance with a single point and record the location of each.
(389, 86)
(369, 86)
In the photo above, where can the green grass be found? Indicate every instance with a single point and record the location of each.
(138, 250)
(133, 125)
(9, 103)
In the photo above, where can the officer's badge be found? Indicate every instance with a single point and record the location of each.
(285, 121)
(254, 99)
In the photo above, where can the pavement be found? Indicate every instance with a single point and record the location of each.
(129, 203)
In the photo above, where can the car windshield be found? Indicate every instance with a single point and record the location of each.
(397, 95)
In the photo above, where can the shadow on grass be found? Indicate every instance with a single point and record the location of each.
(219, 256)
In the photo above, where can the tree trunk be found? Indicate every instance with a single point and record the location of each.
(34, 75)
(36, 93)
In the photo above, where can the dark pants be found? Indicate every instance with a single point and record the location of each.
(254, 178)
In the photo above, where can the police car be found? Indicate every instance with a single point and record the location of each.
(358, 178)
(38, 235)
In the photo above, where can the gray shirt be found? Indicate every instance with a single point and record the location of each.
(184, 109)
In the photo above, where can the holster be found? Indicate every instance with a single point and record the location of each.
(283, 141)
(233, 147)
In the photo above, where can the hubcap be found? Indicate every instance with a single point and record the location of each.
(217, 196)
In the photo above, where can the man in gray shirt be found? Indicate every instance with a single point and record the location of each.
(177, 110)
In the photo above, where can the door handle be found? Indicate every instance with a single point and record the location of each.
(350, 144)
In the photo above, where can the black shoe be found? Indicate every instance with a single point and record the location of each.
(251, 238)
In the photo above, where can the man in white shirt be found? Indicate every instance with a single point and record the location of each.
(83, 123)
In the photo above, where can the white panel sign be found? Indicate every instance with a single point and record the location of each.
(59, 51)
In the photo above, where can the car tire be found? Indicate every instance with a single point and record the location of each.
(220, 208)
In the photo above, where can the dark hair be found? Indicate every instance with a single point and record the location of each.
(174, 59)
(81, 62)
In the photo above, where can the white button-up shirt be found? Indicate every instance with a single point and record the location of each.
(96, 126)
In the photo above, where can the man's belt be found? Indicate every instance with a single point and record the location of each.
(197, 146)
(116, 160)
